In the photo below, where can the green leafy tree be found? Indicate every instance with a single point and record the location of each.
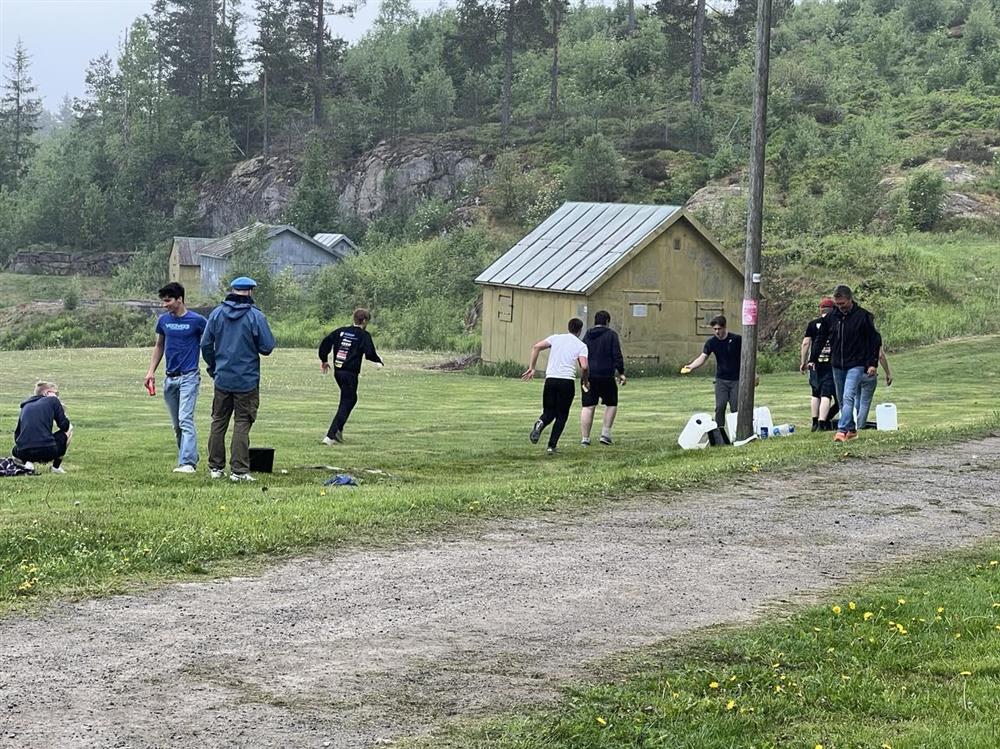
(924, 194)
(595, 172)
(434, 99)
(314, 206)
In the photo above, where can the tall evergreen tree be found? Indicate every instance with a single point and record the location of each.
(314, 206)
(19, 114)
(318, 43)
(280, 69)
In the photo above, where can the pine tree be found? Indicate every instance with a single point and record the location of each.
(314, 207)
(19, 114)
(320, 46)
(280, 69)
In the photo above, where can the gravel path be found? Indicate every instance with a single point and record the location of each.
(360, 647)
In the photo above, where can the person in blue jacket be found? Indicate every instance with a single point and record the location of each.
(235, 337)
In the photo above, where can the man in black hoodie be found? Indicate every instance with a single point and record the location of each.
(605, 357)
(854, 345)
(349, 345)
(34, 440)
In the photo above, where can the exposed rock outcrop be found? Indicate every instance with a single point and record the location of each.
(67, 263)
(262, 188)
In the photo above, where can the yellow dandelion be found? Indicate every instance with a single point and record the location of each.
(997, 626)
(713, 685)
(675, 695)
(732, 678)
(845, 677)
(836, 610)
(852, 605)
(901, 629)
(940, 609)
(958, 635)
(819, 746)
(901, 601)
(996, 605)
(868, 615)
(731, 704)
(993, 563)
(775, 665)
(778, 688)
(601, 721)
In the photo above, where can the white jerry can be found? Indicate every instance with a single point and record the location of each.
(694, 436)
(885, 417)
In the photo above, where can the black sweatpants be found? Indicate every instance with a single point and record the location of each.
(348, 384)
(557, 398)
(54, 453)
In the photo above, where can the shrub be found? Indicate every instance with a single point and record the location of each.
(72, 294)
(143, 275)
(508, 368)
(510, 191)
(921, 207)
(596, 171)
(106, 325)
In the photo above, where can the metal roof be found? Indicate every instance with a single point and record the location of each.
(187, 248)
(573, 248)
(223, 246)
(329, 240)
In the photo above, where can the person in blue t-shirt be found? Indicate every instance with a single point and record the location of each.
(727, 348)
(178, 335)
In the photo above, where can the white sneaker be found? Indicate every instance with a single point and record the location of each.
(328, 441)
(60, 469)
(241, 477)
(29, 465)
(216, 474)
(186, 468)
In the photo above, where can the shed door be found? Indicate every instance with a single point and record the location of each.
(642, 323)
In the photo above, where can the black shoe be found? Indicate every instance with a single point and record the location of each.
(536, 432)
(551, 450)
(815, 426)
(606, 440)
(338, 436)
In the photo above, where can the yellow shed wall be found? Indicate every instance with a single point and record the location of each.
(680, 288)
(533, 315)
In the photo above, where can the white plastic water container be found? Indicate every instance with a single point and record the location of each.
(885, 417)
(761, 418)
(694, 436)
(782, 430)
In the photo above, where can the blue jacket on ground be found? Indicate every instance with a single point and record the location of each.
(236, 335)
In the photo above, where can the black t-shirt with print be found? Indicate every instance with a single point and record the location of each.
(727, 355)
(823, 360)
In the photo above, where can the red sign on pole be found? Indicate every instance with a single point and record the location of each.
(749, 311)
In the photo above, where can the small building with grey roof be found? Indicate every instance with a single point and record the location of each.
(286, 248)
(184, 266)
(654, 268)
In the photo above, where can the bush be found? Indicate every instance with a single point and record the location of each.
(72, 294)
(921, 207)
(596, 171)
(106, 325)
(143, 275)
(507, 368)
(510, 192)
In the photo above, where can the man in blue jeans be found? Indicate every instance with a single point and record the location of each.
(178, 335)
(866, 392)
(854, 347)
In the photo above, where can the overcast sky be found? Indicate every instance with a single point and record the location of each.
(63, 36)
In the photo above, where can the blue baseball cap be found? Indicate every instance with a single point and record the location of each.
(242, 283)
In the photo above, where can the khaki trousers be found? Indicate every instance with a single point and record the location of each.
(224, 406)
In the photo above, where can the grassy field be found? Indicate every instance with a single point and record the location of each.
(909, 662)
(431, 449)
(17, 288)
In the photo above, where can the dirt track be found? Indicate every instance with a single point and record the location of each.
(357, 648)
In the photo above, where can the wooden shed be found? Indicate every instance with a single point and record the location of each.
(287, 248)
(653, 267)
(184, 266)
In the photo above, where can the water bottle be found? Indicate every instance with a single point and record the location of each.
(764, 433)
(783, 430)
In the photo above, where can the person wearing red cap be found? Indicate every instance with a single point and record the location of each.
(820, 378)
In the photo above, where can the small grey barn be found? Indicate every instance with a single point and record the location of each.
(288, 248)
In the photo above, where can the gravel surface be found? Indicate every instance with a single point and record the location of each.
(359, 648)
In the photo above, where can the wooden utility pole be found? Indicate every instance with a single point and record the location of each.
(755, 210)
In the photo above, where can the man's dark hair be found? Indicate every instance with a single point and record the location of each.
(575, 326)
(719, 320)
(844, 292)
(603, 317)
(361, 315)
(172, 290)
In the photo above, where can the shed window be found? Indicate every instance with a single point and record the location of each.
(705, 310)
(505, 306)
(677, 243)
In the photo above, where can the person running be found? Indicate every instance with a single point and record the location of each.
(560, 380)
(854, 347)
(34, 440)
(236, 336)
(178, 335)
(350, 344)
(820, 378)
(604, 357)
(727, 348)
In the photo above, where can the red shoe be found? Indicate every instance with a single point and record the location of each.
(840, 437)
(851, 435)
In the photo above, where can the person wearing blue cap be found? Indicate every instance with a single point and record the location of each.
(236, 336)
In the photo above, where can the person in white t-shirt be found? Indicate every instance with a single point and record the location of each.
(567, 350)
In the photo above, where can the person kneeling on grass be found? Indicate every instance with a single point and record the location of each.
(34, 440)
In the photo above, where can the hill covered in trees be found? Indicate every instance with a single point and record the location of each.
(884, 116)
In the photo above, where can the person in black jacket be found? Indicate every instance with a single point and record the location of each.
(349, 345)
(605, 358)
(34, 440)
(854, 346)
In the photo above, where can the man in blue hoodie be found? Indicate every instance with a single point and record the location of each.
(34, 440)
(235, 336)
